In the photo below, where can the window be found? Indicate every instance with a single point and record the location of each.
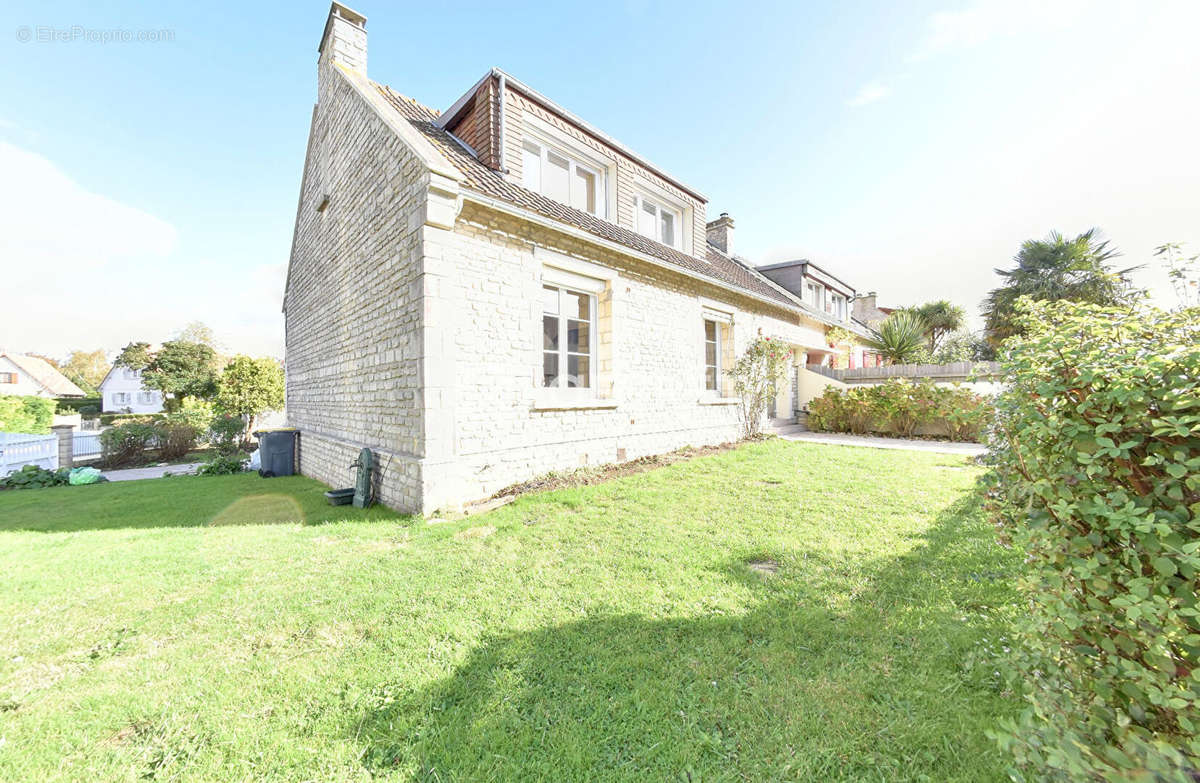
(815, 295)
(8, 377)
(657, 221)
(712, 355)
(130, 375)
(838, 306)
(568, 338)
(558, 176)
(146, 398)
(120, 398)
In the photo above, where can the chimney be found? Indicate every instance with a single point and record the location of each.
(864, 308)
(345, 38)
(720, 233)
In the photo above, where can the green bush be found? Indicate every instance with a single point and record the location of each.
(29, 414)
(175, 440)
(192, 412)
(126, 443)
(223, 464)
(1096, 450)
(226, 432)
(900, 407)
(34, 477)
(120, 418)
(78, 404)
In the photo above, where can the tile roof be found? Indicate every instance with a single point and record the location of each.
(480, 178)
(44, 374)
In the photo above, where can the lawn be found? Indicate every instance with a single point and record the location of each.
(782, 611)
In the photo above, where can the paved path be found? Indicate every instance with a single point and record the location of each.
(793, 432)
(154, 471)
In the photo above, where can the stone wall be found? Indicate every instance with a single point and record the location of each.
(352, 307)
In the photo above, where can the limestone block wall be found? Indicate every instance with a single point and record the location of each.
(353, 304)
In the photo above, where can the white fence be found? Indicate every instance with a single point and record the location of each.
(85, 445)
(18, 449)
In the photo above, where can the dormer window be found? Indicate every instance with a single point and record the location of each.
(814, 294)
(557, 175)
(658, 221)
(838, 306)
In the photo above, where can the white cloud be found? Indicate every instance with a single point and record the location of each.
(869, 93)
(982, 20)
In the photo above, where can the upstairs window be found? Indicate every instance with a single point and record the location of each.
(568, 338)
(558, 176)
(130, 375)
(657, 221)
(838, 306)
(814, 294)
(8, 377)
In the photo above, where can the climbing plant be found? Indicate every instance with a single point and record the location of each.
(755, 377)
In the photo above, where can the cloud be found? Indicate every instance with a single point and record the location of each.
(983, 20)
(869, 93)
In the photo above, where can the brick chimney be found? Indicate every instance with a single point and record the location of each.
(345, 38)
(720, 233)
(865, 309)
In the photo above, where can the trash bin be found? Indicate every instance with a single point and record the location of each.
(277, 451)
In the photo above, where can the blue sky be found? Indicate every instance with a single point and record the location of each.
(909, 147)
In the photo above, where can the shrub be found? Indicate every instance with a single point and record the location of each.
(226, 432)
(900, 407)
(755, 376)
(197, 414)
(28, 414)
(223, 464)
(126, 442)
(1096, 450)
(35, 477)
(176, 440)
(78, 404)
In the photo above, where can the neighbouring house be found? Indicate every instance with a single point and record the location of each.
(867, 311)
(487, 293)
(23, 375)
(122, 391)
(824, 291)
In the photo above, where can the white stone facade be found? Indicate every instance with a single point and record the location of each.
(414, 324)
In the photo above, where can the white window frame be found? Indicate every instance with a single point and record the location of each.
(129, 374)
(814, 293)
(718, 333)
(145, 398)
(838, 303)
(660, 206)
(121, 398)
(574, 165)
(570, 282)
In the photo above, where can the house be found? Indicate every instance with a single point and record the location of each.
(122, 391)
(501, 289)
(22, 375)
(868, 312)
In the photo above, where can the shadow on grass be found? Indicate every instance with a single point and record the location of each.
(178, 501)
(843, 675)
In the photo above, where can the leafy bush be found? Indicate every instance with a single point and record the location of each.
(120, 418)
(78, 404)
(176, 440)
(226, 432)
(1097, 479)
(223, 464)
(756, 376)
(29, 414)
(195, 413)
(125, 443)
(35, 477)
(900, 407)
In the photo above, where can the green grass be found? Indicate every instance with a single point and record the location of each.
(234, 628)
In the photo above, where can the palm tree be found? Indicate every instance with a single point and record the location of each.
(899, 338)
(1052, 269)
(940, 319)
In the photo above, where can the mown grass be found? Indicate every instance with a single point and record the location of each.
(231, 628)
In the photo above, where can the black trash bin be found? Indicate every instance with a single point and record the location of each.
(277, 451)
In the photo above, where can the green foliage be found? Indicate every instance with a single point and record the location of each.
(1097, 480)
(250, 387)
(78, 404)
(900, 338)
(1183, 271)
(227, 432)
(223, 464)
(1054, 269)
(126, 443)
(183, 369)
(940, 318)
(192, 412)
(135, 356)
(176, 439)
(29, 414)
(756, 376)
(35, 477)
(959, 346)
(899, 407)
(86, 369)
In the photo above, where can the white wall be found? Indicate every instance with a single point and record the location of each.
(122, 390)
(25, 386)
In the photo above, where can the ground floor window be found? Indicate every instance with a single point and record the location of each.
(712, 355)
(568, 338)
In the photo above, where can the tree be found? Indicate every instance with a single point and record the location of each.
(183, 369)
(197, 332)
(900, 338)
(135, 356)
(940, 319)
(250, 387)
(1053, 269)
(86, 369)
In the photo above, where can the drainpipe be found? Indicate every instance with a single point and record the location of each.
(500, 157)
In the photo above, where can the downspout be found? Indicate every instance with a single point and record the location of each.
(500, 140)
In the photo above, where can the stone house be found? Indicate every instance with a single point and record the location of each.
(495, 291)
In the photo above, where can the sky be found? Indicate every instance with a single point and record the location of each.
(151, 152)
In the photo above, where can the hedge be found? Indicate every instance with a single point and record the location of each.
(1096, 449)
(28, 414)
(902, 408)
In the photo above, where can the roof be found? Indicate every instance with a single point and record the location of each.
(45, 375)
(450, 116)
(806, 263)
(481, 179)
